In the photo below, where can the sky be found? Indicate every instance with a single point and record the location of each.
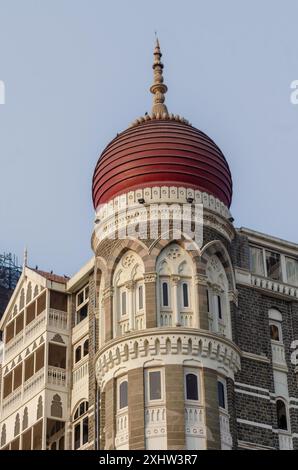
(77, 72)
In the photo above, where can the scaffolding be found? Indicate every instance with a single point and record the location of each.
(10, 271)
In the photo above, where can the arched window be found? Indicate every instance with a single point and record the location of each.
(185, 295)
(123, 394)
(274, 333)
(165, 294)
(123, 303)
(128, 294)
(219, 309)
(281, 411)
(221, 394)
(140, 298)
(86, 347)
(192, 390)
(39, 408)
(3, 435)
(17, 425)
(218, 297)
(78, 354)
(25, 419)
(80, 435)
(56, 406)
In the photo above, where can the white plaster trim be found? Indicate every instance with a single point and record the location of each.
(255, 357)
(239, 384)
(253, 446)
(253, 423)
(163, 344)
(244, 392)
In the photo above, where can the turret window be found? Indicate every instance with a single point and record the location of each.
(281, 411)
(219, 311)
(123, 303)
(155, 391)
(140, 298)
(165, 294)
(185, 295)
(123, 394)
(221, 393)
(192, 389)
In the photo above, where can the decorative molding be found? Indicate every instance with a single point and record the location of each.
(171, 346)
(255, 357)
(150, 277)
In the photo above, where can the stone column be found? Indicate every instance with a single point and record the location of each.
(131, 304)
(136, 412)
(211, 409)
(201, 289)
(150, 300)
(110, 414)
(108, 312)
(174, 382)
(176, 304)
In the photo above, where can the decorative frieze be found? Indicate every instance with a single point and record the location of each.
(197, 347)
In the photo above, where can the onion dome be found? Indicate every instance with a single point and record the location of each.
(161, 150)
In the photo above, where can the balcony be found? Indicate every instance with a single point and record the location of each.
(57, 376)
(33, 330)
(13, 346)
(274, 286)
(58, 319)
(11, 401)
(80, 373)
(34, 384)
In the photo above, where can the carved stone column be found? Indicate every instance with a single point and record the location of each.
(176, 304)
(201, 289)
(108, 312)
(131, 304)
(211, 408)
(150, 300)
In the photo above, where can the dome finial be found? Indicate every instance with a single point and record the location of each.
(158, 89)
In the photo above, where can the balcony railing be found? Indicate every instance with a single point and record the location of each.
(166, 319)
(12, 400)
(57, 376)
(285, 441)
(278, 353)
(121, 439)
(186, 319)
(80, 373)
(274, 286)
(32, 385)
(58, 319)
(225, 435)
(123, 326)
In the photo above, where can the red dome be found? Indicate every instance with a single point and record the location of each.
(161, 152)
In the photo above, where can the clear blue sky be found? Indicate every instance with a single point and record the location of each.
(77, 72)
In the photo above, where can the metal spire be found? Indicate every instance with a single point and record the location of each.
(158, 89)
(25, 260)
